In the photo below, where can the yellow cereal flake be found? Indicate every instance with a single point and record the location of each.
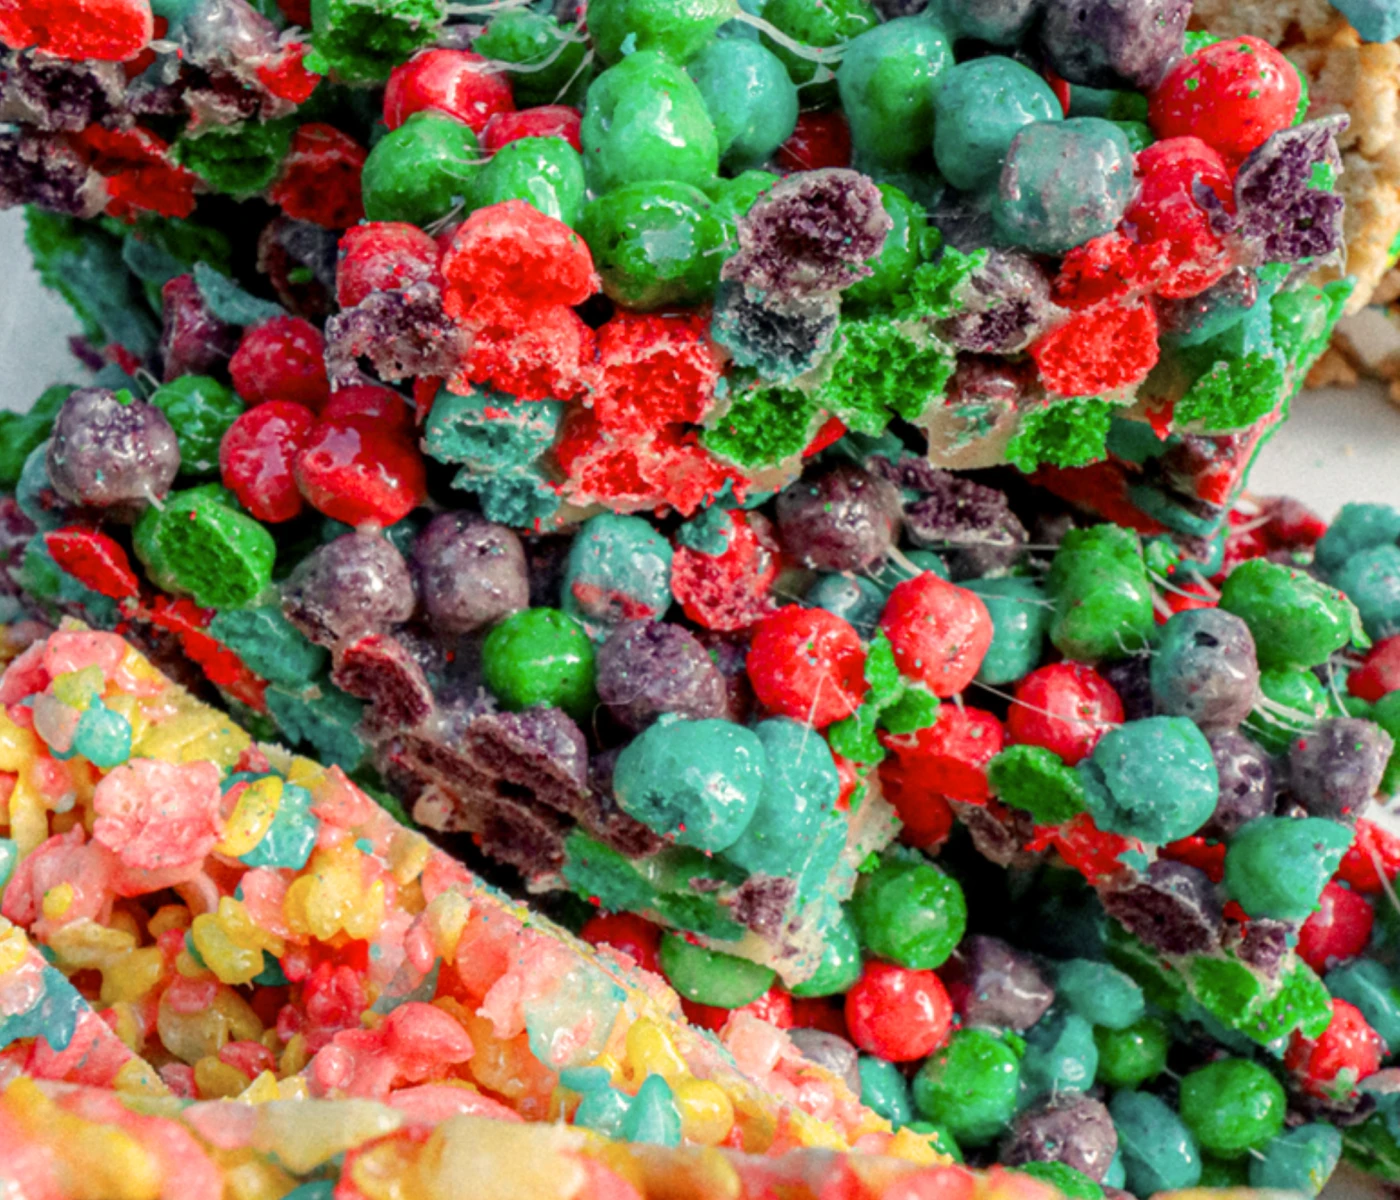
(650, 1051)
(17, 744)
(216, 1080)
(252, 816)
(29, 821)
(57, 901)
(331, 897)
(707, 1115)
(445, 918)
(14, 946)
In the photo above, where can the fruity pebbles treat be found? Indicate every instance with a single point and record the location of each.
(189, 914)
(70, 1141)
(648, 258)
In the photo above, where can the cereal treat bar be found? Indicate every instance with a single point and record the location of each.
(214, 918)
(71, 1143)
(652, 258)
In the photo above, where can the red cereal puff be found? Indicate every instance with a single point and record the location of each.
(939, 632)
(807, 664)
(1346, 1053)
(1100, 350)
(530, 353)
(548, 120)
(1065, 707)
(140, 175)
(821, 139)
(94, 560)
(729, 591)
(382, 256)
(384, 406)
(258, 455)
(320, 178)
(1097, 855)
(633, 935)
(456, 82)
(353, 470)
(512, 249)
(1199, 853)
(1373, 851)
(106, 30)
(1338, 930)
(1379, 673)
(898, 1014)
(1167, 213)
(927, 818)
(1105, 268)
(655, 369)
(281, 359)
(657, 469)
(1232, 94)
(285, 75)
(948, 758)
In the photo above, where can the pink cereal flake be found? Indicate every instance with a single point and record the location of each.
(433, 1103)
(65, 859)
(414, 1043)
(536, 969)
(93, 1056)
(264, 891)
(159, 815)
(25, 676)
(339, 802)
(73, 649)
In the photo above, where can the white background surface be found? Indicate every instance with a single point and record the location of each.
(1340, 445)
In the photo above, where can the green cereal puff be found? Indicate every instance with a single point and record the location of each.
(420, 171)
(200, 410)
(1291, 701)
(655, 242)
(971, 1085)
(883, 368)
(711, 977)
(1037, 781)
(1102, 594)
(1062, 433)
(646, 122)
(270, 644)
(1232, 395)
(831, 23)
(361, 41)
(546, 172)
(202, 547)
(540, 656)
(1064, 1179)
(552, 58)
(323, 717)
(239, 161)
(764, 427)
(676, 28)
(1232, 1106)
(1296, 620)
